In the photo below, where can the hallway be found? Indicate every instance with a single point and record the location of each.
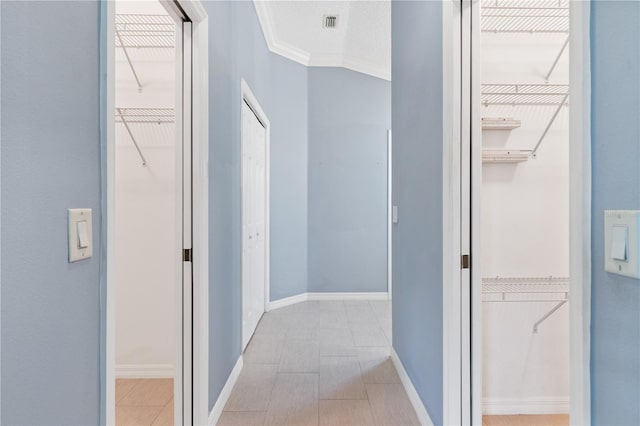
(321, 363)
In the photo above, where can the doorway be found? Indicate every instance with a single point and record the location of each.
(155, 212)
(254, 141)
(541, 99)
(524, 210)
(151, 203)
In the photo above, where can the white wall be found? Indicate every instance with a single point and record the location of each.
(145, 218)
(525, 233)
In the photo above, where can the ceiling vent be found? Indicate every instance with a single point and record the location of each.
(330, 21)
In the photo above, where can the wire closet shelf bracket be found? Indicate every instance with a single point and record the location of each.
(139, 31)
(527, 289)
(127, 116)
(528, 95)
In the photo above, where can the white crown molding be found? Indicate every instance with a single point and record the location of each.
(326, 60)
(276, 46)
(366, 68)
(306, 58)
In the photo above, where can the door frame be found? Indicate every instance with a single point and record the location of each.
(247, 95)
(389, 214)
(197, 15)
(455, 384)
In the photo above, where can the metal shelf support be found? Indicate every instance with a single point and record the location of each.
(547, 315)
(133, 139)
(553, 67)
(546, 130)
(126, 55)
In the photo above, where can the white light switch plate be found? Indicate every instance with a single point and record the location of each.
(76, 251)
(621, 240)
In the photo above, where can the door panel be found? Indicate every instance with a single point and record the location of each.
(187, 232)
(253, 221)
(465, 213)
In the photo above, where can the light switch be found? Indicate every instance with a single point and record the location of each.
(622, 242)
(619, 240)
(394, 214)
(83, 234)
(80, 234)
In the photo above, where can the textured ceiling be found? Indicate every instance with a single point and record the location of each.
(361, 41)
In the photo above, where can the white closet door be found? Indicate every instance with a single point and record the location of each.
(253, 222)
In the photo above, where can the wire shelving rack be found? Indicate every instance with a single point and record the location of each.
(135, 31)
(127, 116)
(518, 16)
(524, 94)
(527, 289)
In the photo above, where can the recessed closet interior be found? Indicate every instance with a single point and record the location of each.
(146, 211)
(525, 210)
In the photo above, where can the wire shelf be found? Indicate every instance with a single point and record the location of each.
(524, 94)
(145, 31)
(522, 16)
(145, 115)
(525, 289)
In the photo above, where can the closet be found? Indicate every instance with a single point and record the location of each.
(525, 210)
(254, 211)
(146, 209)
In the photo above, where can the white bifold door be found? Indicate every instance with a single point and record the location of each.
(253, 221)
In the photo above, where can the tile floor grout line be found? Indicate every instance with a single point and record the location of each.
(130, 390)
(380, 325)
(374, 318)
(158, 415)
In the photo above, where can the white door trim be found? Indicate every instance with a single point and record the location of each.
(451, 92)
(200, 204)
(200, 155)
(389, 213)
(580, 212)
(474, 374)
(246, 95)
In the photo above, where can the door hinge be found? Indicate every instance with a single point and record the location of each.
(465, 261)
(187, 255)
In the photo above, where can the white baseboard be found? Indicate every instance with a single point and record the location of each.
(421, 411)
(348, 296)
(535, 405)
(144, 371)
(281, 303)
(216, 412)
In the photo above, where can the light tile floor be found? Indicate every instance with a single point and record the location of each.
(144, 402)
(320, 363)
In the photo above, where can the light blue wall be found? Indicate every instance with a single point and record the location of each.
(238, 50)
(417, 191)
(349, 115)
(50, 162)
(296, 109)
(289, 189)
(615, 335)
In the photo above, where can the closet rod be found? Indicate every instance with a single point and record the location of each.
(564, 46)
(546, 130)
(126, 55)
(126, 126)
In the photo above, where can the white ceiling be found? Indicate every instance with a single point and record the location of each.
(361, 41)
